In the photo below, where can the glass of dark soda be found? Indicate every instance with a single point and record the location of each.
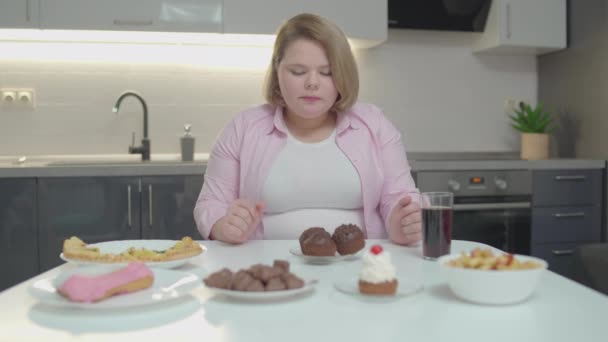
(437, 220)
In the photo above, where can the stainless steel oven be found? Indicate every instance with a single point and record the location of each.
(490, 206)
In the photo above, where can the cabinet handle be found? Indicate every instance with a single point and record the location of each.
(27, 11)
(569, 178)
(566, 215)
(508, 9)
(132, 22)
(562, 252)
(129, 206)
(150, 214)
(492, 206)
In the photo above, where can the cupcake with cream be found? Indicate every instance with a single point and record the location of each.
(377, 276)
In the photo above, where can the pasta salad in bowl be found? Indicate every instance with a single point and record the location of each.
(485, 277)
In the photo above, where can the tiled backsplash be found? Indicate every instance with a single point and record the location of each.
(437, 92)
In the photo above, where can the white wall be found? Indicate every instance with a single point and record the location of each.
(440, 95)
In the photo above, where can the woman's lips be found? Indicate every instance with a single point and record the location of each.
(310, 98)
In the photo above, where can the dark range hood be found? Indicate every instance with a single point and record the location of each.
(446, 15)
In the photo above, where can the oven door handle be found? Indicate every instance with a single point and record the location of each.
(491, 206)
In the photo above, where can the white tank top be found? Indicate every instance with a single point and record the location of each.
(310, 185)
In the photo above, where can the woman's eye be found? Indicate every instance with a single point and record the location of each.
(297, 72)
(326, 73)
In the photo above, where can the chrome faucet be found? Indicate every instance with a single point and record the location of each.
(144, 148)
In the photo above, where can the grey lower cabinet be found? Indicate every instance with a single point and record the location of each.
(18, 231)
(93, 208)
(114, 208)
(167, 206)
(566, 213)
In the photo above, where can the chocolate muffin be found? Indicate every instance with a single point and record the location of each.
(349, 239)
(316, 241)
(311, 231)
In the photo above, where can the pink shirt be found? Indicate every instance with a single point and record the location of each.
(242, 157)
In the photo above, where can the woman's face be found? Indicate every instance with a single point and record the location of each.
(305, 80)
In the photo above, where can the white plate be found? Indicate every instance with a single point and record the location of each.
(266, 295)
(324, 259)
(118, 247)
(406, 287)
(168, 285)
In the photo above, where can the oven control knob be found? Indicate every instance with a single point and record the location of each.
(453, 185)
(501, 183)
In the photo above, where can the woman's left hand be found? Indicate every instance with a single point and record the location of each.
(405, 222)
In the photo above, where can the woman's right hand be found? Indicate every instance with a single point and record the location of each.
(239, 223)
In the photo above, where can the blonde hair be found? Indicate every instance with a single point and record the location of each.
(332, 39)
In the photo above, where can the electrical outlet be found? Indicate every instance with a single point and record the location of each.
(8, 96)
(510, 105)
(25, 96)
(17, 98)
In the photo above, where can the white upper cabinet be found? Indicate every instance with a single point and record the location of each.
(365, 22)
(19, 13)
(524, 27)
(132, 15)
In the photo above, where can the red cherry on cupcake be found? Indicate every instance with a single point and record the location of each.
(376, 249)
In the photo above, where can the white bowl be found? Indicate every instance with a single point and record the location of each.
(492, 286)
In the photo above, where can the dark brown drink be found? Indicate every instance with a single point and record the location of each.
(436, 231)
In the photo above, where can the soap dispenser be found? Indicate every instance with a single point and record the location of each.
(187, 144)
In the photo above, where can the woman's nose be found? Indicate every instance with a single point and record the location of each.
(312, 82)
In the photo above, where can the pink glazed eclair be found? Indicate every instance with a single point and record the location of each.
(134, 277)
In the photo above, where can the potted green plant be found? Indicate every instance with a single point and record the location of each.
(535, 126)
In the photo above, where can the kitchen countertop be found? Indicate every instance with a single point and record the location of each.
(549, 164)
(453, 161)
(100, 165)
(170, 164)
(560, 309)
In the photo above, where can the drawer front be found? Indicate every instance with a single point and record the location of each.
(567, 187)
(566, 224)
(559, 256)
